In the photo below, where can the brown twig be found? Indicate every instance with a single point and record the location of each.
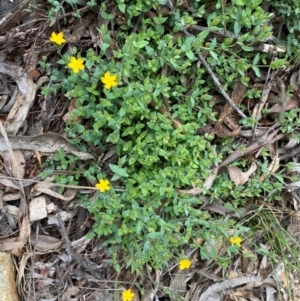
(219, 87)
(261, 142)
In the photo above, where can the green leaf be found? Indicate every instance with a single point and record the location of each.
(256, 70)
(256, 59)
(237, 28)
(278, 63)
(247, 48)
(146, 246)
(139, 227)
(61, 62)
(214, 55)
(154, 235)
(213, 44)
(150, 51)
(202, 35)
(140, 44)
(118, 170)
(122, 7)
(239, 2)
(122, 112)
(190, 55)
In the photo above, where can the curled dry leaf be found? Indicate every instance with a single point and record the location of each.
(273, 167)
(25, 97)
(47, 186)
(14, 245)
(71, 107)
(284, 149)
(295, 81)
(178, 284)
(289, 104)
(237, 176)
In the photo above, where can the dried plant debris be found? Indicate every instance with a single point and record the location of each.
(202, 84)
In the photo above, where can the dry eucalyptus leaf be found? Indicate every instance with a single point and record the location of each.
(46, 143)
(271, 294)
(10, 183)
(38, 208)
(16, 164)
(12, 196)
(239, 177)
(7, 245)
(216, 290)
(25, 231)
(45, 242)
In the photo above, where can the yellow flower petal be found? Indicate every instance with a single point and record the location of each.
(184, 264)
(57, 38)
(76, 64)
(235, 241)
(127, 295)
(109, 80)
(103, 185)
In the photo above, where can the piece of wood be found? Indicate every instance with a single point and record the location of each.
(8, 289)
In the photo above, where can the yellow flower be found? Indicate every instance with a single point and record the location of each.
(103, 185)
(235, 241)
(76, 64)
(57, 38)
(184, 264)
(109, 80)
(127, 295)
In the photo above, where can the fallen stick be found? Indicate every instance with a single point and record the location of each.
(261, 142)
(219, 87)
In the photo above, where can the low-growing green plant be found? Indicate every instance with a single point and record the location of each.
(151, 116)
